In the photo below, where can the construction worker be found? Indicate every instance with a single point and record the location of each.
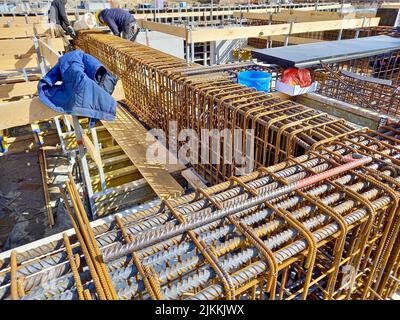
(58, 17)
(120, 21)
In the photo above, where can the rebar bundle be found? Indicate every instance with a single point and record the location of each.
(324, 225)
(160, 88)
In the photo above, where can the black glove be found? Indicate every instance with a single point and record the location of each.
(71, 31)
(135, 32)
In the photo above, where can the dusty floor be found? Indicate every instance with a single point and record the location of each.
(23, 216)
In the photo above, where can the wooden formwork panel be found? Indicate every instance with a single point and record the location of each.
(131, 136)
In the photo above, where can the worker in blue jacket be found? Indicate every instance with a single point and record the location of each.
(120, 21)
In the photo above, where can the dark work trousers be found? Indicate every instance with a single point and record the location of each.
(129, 31)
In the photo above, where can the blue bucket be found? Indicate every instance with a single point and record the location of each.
(256, 79)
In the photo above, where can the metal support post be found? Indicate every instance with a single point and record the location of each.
(287, 36)
(191, 44)
(84, 163)
(99, 167)
(358, 30)
(212, 53)
(340, 34)
(147, 37)
(59, 132)
(205, 53)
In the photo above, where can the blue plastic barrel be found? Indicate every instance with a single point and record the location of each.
(256, 79)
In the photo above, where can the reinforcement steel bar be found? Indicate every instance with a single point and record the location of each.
(161, 89)
(334, 239)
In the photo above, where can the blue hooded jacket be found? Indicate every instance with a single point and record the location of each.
(78, 94)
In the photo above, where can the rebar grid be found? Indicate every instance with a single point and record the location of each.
(160, 88)
(336, 239)
(379, 97)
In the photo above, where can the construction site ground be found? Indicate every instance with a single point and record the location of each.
(23, 217)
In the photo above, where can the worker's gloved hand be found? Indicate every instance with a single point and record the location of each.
(71, 31)
(135, 32)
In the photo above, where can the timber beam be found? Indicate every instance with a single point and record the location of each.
(208, 34)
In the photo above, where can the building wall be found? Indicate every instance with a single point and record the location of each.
(163, 42)
(175, 46)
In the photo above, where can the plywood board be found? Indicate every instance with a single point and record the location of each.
(18, 89)
(390, 5)
(164, 28)
(21, 32)
(131, 136)
(23, 112)
(7, 63)
(16, 46)
(57, 44)
(25, 46)
(50, 55)
(91, 149)
(23, 20)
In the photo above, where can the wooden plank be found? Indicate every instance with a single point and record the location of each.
(18, 89)
(131, 136)
(203, 35)
(18, 78)
(19, 25)
(37, 19)
(21, 32)
(23, 112)
(164, 28)
(48, 53)
(290, 15)
(16, 46)
(91, 149)
(7, 63)
(23, 20)
(25, 47)
(390, 5)
(57, 44)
